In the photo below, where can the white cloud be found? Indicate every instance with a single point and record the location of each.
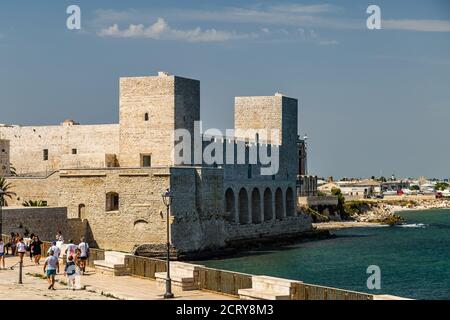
(417, 25)
(161, 30)
(288, 15)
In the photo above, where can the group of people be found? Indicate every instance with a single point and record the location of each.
(76, 258)
(76, 255)
(17, 246)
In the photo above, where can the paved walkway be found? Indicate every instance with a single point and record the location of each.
(98, 287)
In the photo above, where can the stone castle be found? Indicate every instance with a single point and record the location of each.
(111, 177)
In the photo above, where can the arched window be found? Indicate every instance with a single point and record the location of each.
(268, 212)
(81, 212)
(112, 201)
(243, 207)
(290, 204)
(279, 204)
(146, 116)
(256, 206)
(230, 204)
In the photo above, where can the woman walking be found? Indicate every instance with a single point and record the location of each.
(37, 250)
(30, 244)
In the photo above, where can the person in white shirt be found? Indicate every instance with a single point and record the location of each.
(51, 268)
(54, 248)
(2, 253)
(59, 238)
(84, 254)
(21, 249)
(71, 250)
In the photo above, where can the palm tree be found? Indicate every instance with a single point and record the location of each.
(32, 203)
(6, 187)
(12, 170)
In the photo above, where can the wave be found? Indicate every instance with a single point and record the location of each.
(412, 225)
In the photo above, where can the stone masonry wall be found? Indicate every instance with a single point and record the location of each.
(28, 144)
(37, 188)
(4, 158)
(45, 222)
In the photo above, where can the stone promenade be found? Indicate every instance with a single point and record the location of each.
(97, 287)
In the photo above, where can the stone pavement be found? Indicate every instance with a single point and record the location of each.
(98, 287)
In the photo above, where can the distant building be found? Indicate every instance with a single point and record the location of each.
(302, 156)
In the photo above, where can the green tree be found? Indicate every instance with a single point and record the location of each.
(6, 187)
(33, 203)
(341, 200)
(440, 186)
(414, 188)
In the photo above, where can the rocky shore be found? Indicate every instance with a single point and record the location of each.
(384, 212)
(368, 213)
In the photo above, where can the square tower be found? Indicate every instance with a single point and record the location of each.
(269, 113)
(151, 108)
(5, 169)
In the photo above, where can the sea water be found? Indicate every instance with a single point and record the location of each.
(414, 258)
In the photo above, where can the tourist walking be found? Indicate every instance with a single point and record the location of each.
(71, 250)
(71, 273)
(2, 253)
(51, 268)
(36, 249)
(12, 243)
(59, 237)
(84, 254)
(21, 249)
(54, 248)
(30, 244)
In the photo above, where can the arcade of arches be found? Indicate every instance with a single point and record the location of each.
(252, 206)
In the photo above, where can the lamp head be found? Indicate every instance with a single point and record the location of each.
(167, 197)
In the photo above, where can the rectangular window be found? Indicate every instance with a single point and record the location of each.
(146, 160)
(45, 155)
(74, 151)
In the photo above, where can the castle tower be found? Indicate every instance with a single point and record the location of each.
(151, 108)
(276, 112)
(4, 158)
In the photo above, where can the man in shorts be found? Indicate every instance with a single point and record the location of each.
(84, 254)
(51, 268)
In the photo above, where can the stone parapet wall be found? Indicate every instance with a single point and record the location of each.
(44, 222)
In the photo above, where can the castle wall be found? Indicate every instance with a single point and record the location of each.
(4, 158)
(35, 188)
(28, 144)
(120, 200)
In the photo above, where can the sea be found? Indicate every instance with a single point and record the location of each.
(413, 258)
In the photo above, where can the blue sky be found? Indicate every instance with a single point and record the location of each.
(371, 101)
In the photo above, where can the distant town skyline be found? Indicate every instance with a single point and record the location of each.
(372, 102)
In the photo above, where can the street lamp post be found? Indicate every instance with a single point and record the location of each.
(167, 199)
